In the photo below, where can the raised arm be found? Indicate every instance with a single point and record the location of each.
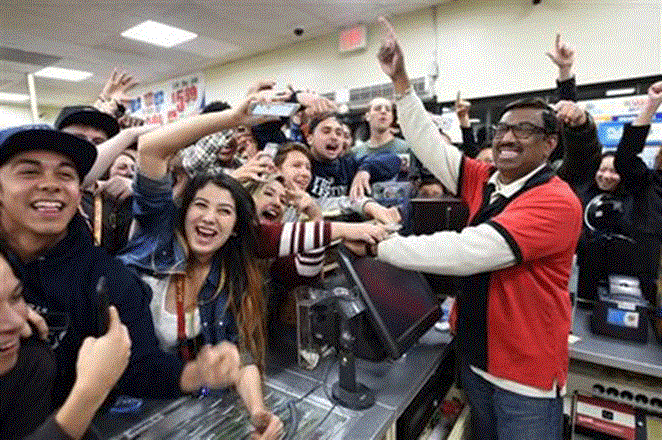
(156, 147)
(563, 56)
(434, 151)
(114, 92)
(651, 106)
(108, 151)
(582, 148)
(632, 169)
(469, 145)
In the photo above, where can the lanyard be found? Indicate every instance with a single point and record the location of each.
(188, 347)
(184, 350)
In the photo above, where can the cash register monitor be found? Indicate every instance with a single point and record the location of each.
(399, 307)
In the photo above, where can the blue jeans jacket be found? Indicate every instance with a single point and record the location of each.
(156, 250)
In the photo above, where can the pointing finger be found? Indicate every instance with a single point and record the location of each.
(386, 26)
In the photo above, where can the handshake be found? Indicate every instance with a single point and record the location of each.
(363, 238)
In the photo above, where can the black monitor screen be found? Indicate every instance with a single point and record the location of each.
(400, 304)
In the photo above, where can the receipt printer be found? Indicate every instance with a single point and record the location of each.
(621, 311)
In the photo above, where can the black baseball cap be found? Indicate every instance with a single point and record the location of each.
(15, 140)
(88, 116)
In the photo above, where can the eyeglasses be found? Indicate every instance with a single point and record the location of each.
(521, 131)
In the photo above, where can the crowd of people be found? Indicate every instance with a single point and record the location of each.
(197, 230)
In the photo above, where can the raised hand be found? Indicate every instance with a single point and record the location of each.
(262, 84)
(651, 105)
(256, 168)
(117, 86)
(242, 115)
(462, 110)
(570, 113)
(391, 59)
(563, 56)
(655, 92)
(315, 104)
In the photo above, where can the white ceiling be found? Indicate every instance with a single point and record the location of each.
(85, 35)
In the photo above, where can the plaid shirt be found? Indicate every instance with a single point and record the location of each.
(202, 157)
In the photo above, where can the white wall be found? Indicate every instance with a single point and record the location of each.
(498, 47)
(316, 64)
(484, 48)
(11, 115)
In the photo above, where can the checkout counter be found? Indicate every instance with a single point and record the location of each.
(407, 387)
(406, 390)
(620, 381)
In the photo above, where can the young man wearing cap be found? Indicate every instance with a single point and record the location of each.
(59, 266)
(102, 130)
(513, 314)
(87, 123)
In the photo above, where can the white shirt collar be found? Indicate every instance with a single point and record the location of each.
(507, 190)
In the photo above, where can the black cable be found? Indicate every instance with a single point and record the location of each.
(294, 421)
(326, 378)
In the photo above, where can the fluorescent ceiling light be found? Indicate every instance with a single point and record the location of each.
(159, 34)
(63, 74)
(14, 97)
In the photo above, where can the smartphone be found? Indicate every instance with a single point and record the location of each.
(102, 302)
(285, 109)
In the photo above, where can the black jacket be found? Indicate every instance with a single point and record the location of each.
(644, 184)
(61, 285)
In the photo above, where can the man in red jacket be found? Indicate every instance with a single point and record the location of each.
(513, 315)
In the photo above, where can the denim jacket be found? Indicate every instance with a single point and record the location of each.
(155, 249)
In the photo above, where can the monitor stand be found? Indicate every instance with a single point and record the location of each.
(347, 392)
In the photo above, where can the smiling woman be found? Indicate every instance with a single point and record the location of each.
(200, 258)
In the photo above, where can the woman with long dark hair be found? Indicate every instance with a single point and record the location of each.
(201, 259)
